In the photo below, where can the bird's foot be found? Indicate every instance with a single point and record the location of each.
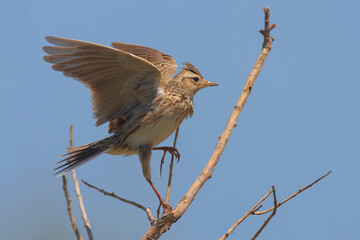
(167, 208)
(173, 151)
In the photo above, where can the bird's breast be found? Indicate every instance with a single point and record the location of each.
(155, 132)
(154, 127)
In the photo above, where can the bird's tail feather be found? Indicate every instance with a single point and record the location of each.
(83, 154)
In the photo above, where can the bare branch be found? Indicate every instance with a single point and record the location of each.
(81, 205)
(254, 210)
(293, 195)
(251, 211)
(170, 171)
(266, 32)
(77, 191)
(67, 196)
(69, 209)
(171, 168)
(163, 224)
(151, 217)
(270, 217)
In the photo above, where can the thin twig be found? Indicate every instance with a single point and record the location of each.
(270, 217)
(163, 224)
(67, 196)
(151, 217)
(69, 209)
(254, 211)
(170, 173)
(251, 211)
(78, 193)
(292, 196)
(266, 32)
(81, 205)
(171, 167)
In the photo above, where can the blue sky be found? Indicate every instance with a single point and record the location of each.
(301, 120)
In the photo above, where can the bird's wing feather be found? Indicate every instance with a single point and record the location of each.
(165, 63)
(119, 81)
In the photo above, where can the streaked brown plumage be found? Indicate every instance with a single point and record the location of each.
(131, 88)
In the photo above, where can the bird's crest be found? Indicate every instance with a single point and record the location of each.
(191, 68)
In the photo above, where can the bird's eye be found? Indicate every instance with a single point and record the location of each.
(195, 79)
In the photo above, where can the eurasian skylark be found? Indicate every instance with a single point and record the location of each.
(131, 88)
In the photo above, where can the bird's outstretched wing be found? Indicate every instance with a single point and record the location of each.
(165, 63)
(119, 81)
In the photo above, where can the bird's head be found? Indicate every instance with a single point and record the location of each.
(192, 81)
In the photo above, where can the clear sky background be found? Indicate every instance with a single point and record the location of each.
(301, 120)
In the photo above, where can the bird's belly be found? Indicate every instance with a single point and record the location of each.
(154, 133)
(122, 151)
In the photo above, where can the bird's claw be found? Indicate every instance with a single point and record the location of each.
(173, 151)
(167, 208)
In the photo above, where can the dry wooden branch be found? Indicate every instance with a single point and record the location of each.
(292, 196)
(78, 193)
(69, 209)
(163, 224)
(81, 205)
(170, 172)
(254, 211)
(251, 211)
(151, 217)
(67, 196)
(171, 167)
(270, 217)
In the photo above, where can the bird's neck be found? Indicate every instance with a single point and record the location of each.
(184, 102)
(175, 88)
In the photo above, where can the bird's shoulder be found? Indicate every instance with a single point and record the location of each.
(135, 115)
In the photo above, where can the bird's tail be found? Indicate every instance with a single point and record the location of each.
(83, 154)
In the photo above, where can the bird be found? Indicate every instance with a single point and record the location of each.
(134, 89)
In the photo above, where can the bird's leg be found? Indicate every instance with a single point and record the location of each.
(145, 157)
(172, 150)
(162, 202)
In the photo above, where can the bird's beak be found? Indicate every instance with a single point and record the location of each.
(210, 84)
